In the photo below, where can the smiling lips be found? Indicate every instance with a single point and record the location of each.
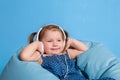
(55, 48)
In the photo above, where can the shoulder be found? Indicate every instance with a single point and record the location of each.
(73, 53)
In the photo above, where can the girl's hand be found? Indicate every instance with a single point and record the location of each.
(69, 42)
(78, 45)
(31, 52)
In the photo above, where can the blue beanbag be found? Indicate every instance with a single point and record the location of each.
(95, 63)
(21, 70)
(98, 62)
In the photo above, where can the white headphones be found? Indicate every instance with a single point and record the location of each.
(37, 38)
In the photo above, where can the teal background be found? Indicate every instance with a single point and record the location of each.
(91, 20)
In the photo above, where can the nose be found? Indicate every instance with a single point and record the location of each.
(55, 43)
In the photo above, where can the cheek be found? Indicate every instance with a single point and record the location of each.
(46, 49)
(62, 46)
(46, 46)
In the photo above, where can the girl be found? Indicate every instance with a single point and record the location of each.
(52, 50)
(56, 56)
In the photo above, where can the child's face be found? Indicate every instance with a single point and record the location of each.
(53, 42)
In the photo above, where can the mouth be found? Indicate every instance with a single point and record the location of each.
(55, 49)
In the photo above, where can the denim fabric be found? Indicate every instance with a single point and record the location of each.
(57, 64)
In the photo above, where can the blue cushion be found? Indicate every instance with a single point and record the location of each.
(98, 62)
(21, 70)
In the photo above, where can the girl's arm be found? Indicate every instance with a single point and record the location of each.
(31, 52)
(78, 46)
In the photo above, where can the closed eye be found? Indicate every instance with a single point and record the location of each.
(49, 41)
(59, 40)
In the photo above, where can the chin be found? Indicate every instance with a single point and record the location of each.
(58, 52)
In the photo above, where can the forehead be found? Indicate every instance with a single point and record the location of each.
(53, 33)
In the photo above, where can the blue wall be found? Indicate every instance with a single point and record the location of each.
(91, 20)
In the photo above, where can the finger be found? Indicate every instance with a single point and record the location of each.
(35, 56)
(67, 46)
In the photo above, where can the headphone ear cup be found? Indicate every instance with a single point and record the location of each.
(64, 43)
(42, 47)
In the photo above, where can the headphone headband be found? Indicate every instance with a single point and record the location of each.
(38, 33)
